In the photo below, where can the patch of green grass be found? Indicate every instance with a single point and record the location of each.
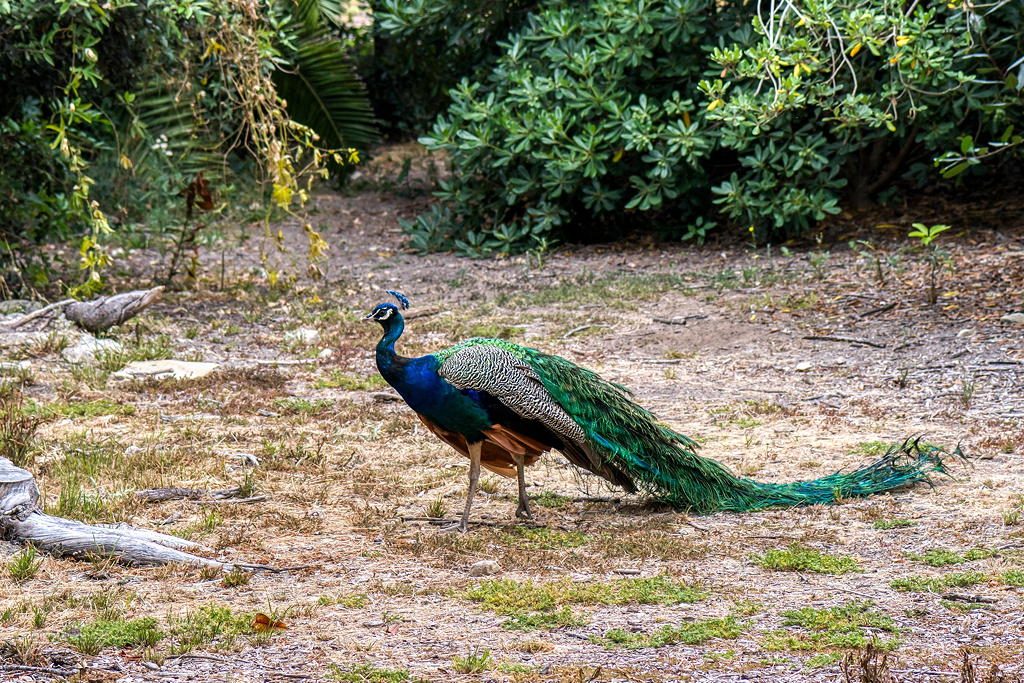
(475, 662)
(832, 628)
(692, 633)
(235, 578)
(547, 499)
(368, 673)
(941, 557)
(17, 430)
(532, 605)
(1014, 577)
(563, 617)
(542, 538)
(210, 624)
(871, 449)
(79, 409)
(303, 406)
(91, 638)
(886, 524)
(937, 584)
(823, 659)
(958, 606)
(157, 347)
(349, 381)
(515, 668)
(353, 601)
(75, 503)
(798, 558)
(24, 565)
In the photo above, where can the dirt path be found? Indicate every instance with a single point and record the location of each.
(379, 599)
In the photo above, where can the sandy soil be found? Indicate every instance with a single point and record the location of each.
(341, 465)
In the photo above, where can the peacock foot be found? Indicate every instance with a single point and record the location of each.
(524, 512)
(462, 526)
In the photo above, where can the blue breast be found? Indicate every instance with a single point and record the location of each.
(431, 396)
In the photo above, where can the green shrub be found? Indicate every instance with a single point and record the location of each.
(676, 115)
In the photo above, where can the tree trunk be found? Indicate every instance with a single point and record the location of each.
(22, 520)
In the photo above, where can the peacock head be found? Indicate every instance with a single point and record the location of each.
(387, 313)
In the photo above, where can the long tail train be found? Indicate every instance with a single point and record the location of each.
(664, 463)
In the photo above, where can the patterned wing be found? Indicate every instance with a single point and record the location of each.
(511, 381)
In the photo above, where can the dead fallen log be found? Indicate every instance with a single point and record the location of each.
(96, 315)
(105, 312)
(23, 520)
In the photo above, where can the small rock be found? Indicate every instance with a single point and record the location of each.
(304, 335)
(803, 366)
(133, 450)
(20, 306)
(165, 369)
(325, 354)
(625, 571)
(484, 568)
(87, 348)
(1015, 318)
(248, 459)
(18, 340)
(11, 367)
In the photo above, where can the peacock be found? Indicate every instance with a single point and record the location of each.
(504, 405)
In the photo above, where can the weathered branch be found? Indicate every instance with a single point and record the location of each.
(105, 312)
(29, 317)
(22, 520)
(96, 315)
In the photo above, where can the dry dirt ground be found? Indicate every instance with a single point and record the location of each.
(602, 587)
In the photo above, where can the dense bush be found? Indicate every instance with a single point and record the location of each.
(109, 111)
(604, 116)
(422, 48)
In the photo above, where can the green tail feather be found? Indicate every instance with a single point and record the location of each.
(665, 464)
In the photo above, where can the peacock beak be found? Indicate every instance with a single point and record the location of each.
(368, 316)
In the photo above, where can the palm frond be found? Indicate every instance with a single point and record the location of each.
(320, 83)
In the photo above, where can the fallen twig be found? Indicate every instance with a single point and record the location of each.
(660, 361)
(438, 521)
(679, 321)
(46, 670)
(925, 672)
(166, 494)
(845, 340)
(271, 568)
(876, 311)
(234, 501)
(29, 317)
(582, 328)
(963, 597)
(225, 660)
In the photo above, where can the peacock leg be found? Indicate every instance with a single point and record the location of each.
(523, 511)
(474, 477)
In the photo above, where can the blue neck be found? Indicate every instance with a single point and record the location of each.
(387, 360)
